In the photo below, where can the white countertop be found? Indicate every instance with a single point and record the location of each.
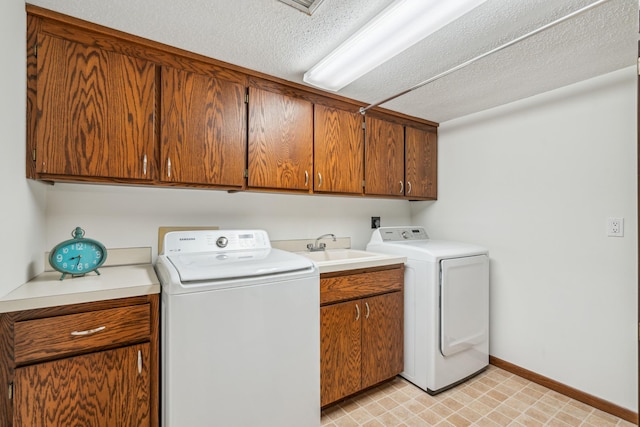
(47, 290)
(370, 261)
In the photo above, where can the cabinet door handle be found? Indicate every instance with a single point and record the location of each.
(139, 362)
(319, 180)
(408, 187)
(306, 178)
(168, 167)
(144, 165)
(366, 304)
(401, 187)
(88, 331)
(357, 312)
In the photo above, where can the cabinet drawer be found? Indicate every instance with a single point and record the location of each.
(61, 336)
(344, 288)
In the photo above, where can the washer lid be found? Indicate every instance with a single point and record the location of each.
(214, 266)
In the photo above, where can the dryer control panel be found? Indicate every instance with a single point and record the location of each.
(399, 234)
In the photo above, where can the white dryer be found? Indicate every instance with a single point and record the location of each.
(446, 325)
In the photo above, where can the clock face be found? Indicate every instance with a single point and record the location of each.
(77, 257)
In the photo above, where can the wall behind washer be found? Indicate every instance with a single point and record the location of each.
(130, 216)
(534, 181)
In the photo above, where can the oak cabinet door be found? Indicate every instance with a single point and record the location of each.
(421, 163)
(108, 388)
(384, 158)
(340, 358)
(338, 153)
(280, 141)
(203, 129)
(95, 112)
(382, 338)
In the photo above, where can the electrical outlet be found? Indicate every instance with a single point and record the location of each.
(375, 222)
(615, 227)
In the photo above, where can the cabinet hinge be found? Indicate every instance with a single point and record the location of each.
(10, 391)
(246, 173)
(33, 155)
(246, 98)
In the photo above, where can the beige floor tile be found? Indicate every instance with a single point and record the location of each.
(388, 419)
(527, 421)
(375, 409)
(568, 418)
(492, 399)
(401, 413)
(361, 415)
(499, 418)
(387, 403)
(431, 417)
(374, 423)
(346, 421)
(459, 421)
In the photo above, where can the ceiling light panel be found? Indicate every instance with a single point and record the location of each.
(396, 28)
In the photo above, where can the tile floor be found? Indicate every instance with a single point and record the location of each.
(493, 398)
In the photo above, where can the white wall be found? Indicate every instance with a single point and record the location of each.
(130, 216)
(22, 213)
(535, 181)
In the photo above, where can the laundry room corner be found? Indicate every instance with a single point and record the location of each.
(532, 181)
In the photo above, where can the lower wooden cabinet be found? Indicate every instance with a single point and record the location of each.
(361, 339)
(107, 388)
(382, 338)
(92, 364)
(340, 351)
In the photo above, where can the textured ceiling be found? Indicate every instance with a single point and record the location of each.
(276, 39)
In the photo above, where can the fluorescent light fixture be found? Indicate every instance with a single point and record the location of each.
(396, 28)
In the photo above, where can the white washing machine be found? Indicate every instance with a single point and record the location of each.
(240, 332)
(446, 336)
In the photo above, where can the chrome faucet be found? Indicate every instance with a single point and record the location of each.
(314, 247)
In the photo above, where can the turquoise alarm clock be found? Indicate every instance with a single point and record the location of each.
(77, 256)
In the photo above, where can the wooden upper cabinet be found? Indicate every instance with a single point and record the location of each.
(203, 129)
(384, 158)
(280, 151)
(338, 153)
(421, 163)
(95, 111)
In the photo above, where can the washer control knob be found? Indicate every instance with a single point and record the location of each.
(222, 242)
(405, 235)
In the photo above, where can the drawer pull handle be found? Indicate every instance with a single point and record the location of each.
(88, 332)
(139, 362)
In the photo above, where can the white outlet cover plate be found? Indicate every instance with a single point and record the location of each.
(615, 227)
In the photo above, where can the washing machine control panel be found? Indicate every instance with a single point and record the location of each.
(395, 234)
(215, 241)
